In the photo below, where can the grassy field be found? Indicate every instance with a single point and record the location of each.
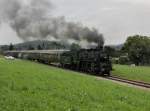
(27, 86)
(139, 73)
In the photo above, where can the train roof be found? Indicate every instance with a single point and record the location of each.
(39, 51)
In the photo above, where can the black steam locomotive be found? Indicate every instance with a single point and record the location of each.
(94, 61)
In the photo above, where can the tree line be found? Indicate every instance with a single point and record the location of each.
(136, 50)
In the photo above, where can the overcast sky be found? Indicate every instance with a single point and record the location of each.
(116, 19)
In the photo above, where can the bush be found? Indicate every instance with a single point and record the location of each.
(124, 60)
(115, 60)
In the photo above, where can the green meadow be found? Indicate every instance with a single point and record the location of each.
(140, 73)
(29, 86)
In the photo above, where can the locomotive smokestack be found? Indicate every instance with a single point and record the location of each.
(100, 42)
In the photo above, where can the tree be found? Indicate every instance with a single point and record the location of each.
(30, 47)
(43, 46)
(109, 51)
(138, 49)
(39, 47)
(4, 47)
(75, 47)
(11, 47)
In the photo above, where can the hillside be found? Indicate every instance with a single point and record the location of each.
(42, 44)
(28, 86)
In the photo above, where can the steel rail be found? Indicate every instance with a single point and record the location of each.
(133, 82)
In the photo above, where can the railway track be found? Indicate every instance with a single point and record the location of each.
(132, 82)
(116, 78)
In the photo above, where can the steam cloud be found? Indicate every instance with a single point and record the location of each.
(33, 20)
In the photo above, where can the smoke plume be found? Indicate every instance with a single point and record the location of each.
(32, 19)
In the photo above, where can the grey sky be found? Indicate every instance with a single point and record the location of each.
(116, 19)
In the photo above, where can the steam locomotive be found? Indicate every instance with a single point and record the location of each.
(93, 61)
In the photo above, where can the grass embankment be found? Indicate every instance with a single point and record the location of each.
(139, 73)
(27, 86)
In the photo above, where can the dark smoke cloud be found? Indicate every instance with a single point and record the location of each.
(33, 20)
